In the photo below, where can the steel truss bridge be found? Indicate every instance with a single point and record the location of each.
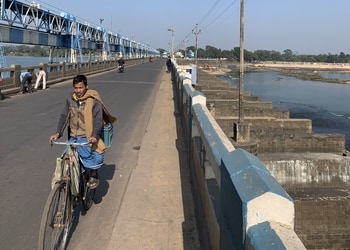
(23, 23)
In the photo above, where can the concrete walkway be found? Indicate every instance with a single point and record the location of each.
(157, 210)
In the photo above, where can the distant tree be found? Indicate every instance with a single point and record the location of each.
(276, 56)
(193, 48)
(209, 52)
(248, 56)
(212, 52)
(288, 55)
(236, 53)
(161, 51)
(342, 57)
(332, 58)
(227, 54)
(25, 50)
(201, 53)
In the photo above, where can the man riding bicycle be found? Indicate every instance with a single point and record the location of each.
(121, 61)
(84, 112)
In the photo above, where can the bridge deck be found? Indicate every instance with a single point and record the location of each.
(157, 210)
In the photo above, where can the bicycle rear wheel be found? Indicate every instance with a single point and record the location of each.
(56, 219)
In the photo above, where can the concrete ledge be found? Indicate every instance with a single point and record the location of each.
(249, 196)
(261, 126)
(272, 235)
(308, 169)
(249, 112)
(233, 103)
(227, 94)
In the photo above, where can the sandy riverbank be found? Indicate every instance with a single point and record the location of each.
(314, 66)
(226, 67)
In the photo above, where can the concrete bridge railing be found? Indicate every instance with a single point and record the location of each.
(243, 205)
(55, 72)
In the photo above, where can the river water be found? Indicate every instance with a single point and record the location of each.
(25, 60)
(30, 60)
(326, 104)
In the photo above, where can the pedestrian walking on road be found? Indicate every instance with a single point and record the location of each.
(169, 65)
(41, 74)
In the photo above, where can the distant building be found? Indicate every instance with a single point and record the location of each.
(165, 54)
(189, 54)
(179, 54)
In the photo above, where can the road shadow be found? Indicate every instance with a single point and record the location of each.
(193, 239)
(105, 173)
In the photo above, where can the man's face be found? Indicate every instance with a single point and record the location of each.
(80, 89)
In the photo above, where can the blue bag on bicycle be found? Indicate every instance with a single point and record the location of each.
(107, 134)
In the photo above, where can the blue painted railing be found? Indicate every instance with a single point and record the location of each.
(243, 204)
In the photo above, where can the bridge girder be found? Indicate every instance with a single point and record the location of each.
(32, 17)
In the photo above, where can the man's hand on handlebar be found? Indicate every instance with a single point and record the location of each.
(92, 140)
(54, 137)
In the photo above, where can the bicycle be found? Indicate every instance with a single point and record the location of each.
(66, 193)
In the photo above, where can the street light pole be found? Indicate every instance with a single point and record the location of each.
(172, 42)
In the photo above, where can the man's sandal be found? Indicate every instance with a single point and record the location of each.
(93, 183)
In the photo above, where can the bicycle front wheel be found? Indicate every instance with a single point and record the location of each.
(56, 219)
(88, 198)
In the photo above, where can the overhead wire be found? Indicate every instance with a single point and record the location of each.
(220, 15)
(206, 16)
(208, 12)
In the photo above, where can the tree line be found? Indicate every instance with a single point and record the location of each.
(268, 55)
(210, 52)
(25, 50)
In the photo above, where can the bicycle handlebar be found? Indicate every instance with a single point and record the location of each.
(71, 143)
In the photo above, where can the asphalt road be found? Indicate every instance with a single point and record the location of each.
(27, 161)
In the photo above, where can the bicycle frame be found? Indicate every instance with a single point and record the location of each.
(69, 189)
(71, 172)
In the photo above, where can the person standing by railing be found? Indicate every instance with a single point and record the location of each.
(169, 64)
(40, 74)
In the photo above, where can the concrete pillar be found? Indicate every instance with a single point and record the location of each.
(241, 131)
(16, 73)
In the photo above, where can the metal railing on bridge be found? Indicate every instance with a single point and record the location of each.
(56, 72)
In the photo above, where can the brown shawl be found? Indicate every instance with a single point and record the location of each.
(107, 117)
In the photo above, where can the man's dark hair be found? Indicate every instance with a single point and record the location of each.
(80, 78)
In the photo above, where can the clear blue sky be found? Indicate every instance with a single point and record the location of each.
(304, 26)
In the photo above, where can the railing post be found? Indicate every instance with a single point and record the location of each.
(15, 73)
(63, 69)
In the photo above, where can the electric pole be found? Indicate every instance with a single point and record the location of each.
(196, 33)
(241, 64)
(172, 42)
